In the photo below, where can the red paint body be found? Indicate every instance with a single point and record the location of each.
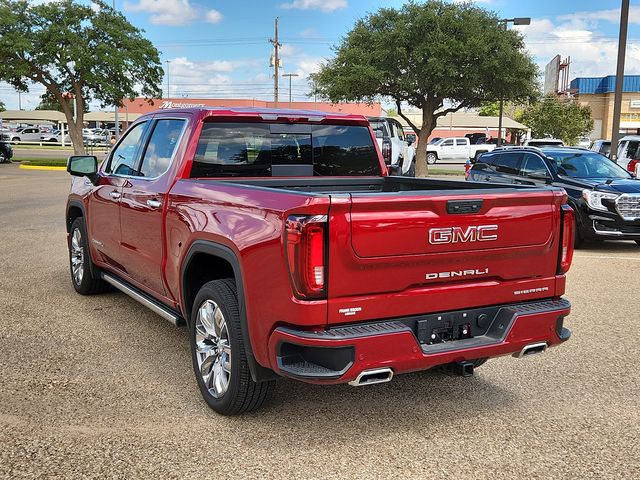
(378, 254)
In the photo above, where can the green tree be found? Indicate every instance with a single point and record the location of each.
(558, 117)
(49, 102)
(436, 56)
(2, 107)
(489, 109)
(93, 54)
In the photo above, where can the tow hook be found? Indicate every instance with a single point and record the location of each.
(462, 369)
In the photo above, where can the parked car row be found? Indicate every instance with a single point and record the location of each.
(605, 196)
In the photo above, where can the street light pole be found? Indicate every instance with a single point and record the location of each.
(617, 101)
(505, 23)
(290, 75)
(168, 85)
(115, 116)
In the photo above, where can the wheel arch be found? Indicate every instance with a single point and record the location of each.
(205, 261)
(75, 209)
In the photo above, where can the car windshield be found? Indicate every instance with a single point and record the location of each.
(585, 165)
(434, 140)
(378, 126)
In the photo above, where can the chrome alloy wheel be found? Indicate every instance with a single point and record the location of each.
(77, 256)
(213, 348)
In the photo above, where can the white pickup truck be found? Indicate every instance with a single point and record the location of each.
(455, 149)
(396, 149)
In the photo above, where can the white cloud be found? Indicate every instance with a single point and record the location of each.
(173, 12)
(309, 33)
(326, 6)
(611, 15)
(592, 53)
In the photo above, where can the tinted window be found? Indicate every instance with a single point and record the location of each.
(585, 165)
(508, 163)
(447, 143)
(161, 147)
(250, 149)
(533, 165)
(487, 158)
(124, 155)
(633, 150)
(460, 142)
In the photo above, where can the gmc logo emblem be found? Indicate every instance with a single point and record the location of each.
(473, 233)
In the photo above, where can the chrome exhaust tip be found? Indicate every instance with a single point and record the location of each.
(371, 377)
(532, 349)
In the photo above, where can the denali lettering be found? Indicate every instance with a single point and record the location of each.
(473, 233)
(458, 273)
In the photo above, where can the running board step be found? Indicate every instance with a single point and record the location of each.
(144, 299)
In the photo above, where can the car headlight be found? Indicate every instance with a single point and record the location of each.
(594, 199)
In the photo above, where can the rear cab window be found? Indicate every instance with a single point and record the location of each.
(265, 150)
(508, 163)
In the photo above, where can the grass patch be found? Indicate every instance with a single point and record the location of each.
(446, 171)
(42, 162)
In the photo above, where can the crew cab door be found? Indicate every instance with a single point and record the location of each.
(104, 202)
(462, 148)
(448, 149)
(144, 196)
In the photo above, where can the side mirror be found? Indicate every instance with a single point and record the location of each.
(379, 134)
(540, 178)
(83, 166)
(394, 170)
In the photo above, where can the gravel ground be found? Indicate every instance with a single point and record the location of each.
(102, 387)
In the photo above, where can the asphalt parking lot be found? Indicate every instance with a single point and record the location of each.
(102, 387)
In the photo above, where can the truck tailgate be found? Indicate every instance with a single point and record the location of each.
(404, 254)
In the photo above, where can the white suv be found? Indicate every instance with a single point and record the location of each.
(396, 149)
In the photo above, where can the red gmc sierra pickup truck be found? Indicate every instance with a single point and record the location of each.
(281, 240)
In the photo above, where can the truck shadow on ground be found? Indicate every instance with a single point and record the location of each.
(407, 403)
(609, 247)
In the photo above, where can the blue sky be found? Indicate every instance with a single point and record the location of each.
(219, 48)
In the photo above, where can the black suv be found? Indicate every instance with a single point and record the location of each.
(605, 197)
(6, 151)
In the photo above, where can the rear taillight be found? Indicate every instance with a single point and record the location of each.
(632, 166)
(386, 151)
(305, 241)
(568, 234)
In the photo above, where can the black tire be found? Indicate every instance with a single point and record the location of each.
(242, 394)
(578, 239)
(412, 169)
(85, 283)
(432, 158)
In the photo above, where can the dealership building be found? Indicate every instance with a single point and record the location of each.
(598, 93)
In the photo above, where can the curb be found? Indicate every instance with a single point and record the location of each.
(39, 167)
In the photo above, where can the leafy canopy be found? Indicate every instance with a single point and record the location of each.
(558, 117)
(426, 53)
(69, 47)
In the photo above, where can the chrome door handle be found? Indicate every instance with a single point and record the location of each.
(154, 203)
(115, 195)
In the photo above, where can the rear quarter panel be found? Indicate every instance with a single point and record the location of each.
(250, 221)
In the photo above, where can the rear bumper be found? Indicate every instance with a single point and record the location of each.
(340, 354)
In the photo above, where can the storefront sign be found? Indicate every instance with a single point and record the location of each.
(634, 104)
(170, 104)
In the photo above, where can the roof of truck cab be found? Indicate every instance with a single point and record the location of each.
(271, 113)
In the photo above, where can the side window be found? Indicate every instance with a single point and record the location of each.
(508, 163)
(632, 150)
(447, 143)
(400, 132)
(460, 142)
(161, 147)
(533, 165)
(124, 156)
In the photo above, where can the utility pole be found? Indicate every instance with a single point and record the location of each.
(276, 64)
(115, 116)
(290, 75)
(168, 87)
(505, 23)
(19, 100)
(617, 102)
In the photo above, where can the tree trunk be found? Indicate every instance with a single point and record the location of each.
(428, 124)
